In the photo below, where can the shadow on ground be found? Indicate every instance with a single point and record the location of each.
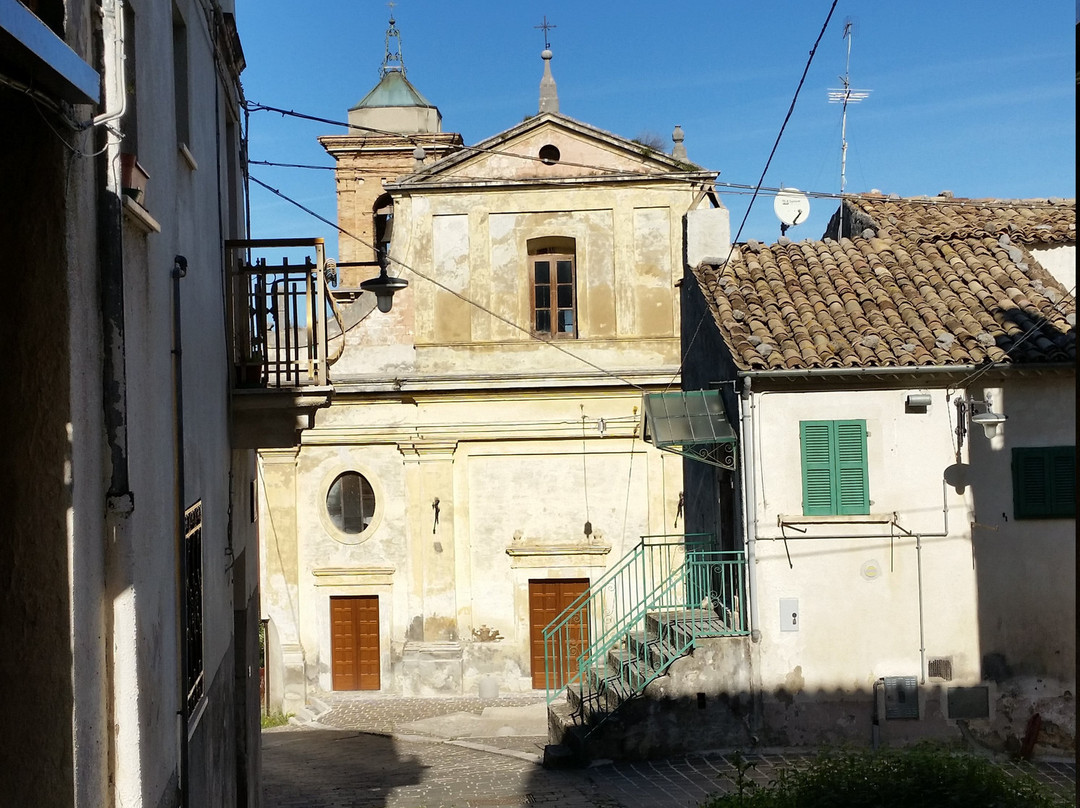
(375, 764)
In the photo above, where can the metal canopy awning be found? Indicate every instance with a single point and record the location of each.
(690, 423)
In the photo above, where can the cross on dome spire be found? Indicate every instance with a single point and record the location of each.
(393, 61)
(546, 26)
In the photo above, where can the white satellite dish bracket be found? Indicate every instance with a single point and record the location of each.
(792, 207)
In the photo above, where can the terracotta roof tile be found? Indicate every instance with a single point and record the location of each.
(891, 299)
(1025, 221)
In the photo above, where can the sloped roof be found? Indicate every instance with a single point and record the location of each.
(1025, 221)
(907, 295)
(640, 160)
(393, 90)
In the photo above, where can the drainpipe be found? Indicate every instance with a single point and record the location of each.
(115, 10)
(179, 270)
(746, 417)
(110, 256)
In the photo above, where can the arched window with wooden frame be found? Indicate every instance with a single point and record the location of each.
(553, 275)
(383, 226)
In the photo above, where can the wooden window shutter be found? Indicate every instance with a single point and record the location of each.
(1063, 481)
(854, 491)
(1044, 482)
(834, 466)
(818, 470)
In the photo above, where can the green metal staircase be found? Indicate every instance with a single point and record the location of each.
(645, 612)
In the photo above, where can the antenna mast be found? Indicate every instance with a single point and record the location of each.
(845, 96)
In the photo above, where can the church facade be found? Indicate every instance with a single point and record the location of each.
(479, 463)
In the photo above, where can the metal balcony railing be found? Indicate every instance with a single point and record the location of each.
(279, 316)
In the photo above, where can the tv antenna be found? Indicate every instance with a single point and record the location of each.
(845, 95)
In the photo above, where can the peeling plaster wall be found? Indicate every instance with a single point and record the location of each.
(629, 256)
(515, 465)
(449, 397)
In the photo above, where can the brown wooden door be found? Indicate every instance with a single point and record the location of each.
(354, 626)
(547, 599)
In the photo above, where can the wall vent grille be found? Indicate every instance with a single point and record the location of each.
(940, 668)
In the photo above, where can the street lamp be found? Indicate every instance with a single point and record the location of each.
(987, 419)
(383, 287)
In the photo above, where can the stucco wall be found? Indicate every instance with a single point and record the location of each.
(474, 244)
(1060, 261)
(992, 595)
(1026, 567)
(514, 476)
(859, 598)
(35, 600)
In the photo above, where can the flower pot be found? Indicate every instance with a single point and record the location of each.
(133, 177)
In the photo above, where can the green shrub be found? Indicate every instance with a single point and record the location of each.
(275, 719)
(923, 776)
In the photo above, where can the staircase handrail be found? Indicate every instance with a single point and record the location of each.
(580, 613)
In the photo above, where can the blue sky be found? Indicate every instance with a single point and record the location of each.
(975, 98)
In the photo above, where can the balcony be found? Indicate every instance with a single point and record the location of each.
(280, 316)
(278, 322)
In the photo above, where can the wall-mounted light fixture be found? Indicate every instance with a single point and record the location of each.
(966, 410)
(383, 287)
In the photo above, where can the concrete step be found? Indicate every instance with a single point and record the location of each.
(678, 626)
(648, 647)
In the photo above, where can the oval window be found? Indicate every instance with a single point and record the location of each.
(549, 155)
(350, 503)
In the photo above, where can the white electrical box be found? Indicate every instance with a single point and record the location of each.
(789, 614)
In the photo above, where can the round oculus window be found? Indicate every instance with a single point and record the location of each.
(549, 155)
(350, 503)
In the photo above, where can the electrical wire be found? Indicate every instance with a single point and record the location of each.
(726, 188)
(760, 182)
(290, 165)
(505, 320)
(256, 107)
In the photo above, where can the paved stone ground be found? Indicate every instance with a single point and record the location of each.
(375, 751)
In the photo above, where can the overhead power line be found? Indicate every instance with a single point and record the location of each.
(760, 182)
(454, 292)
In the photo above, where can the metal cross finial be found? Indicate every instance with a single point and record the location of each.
(546, 26)
(393, 60)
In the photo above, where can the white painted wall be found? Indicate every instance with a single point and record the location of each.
(1060, 261)
(858, 598)
(993, 594)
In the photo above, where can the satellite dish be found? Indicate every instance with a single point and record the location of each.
(791, 206)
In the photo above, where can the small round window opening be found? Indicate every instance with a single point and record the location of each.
(350, 503)
(549, 155)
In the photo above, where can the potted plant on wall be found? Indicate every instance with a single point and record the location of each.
(133, 177)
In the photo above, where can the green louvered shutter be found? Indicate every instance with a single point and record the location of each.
(853, 496)
(818, 470)
(1063, 481)
(835, 479)
(1044, 482)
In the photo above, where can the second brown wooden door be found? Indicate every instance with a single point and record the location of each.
(355, 658)
(547, 599)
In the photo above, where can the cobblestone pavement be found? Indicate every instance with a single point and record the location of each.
(376, 751)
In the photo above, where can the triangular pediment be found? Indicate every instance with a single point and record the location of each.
(550, 148)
